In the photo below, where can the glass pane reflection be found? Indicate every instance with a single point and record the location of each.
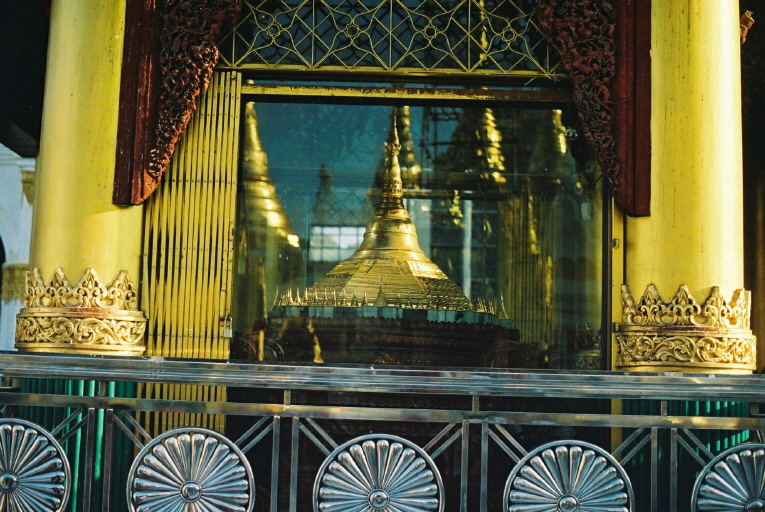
(505, 202)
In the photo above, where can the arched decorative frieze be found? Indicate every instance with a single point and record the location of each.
(190, 465)
(383, 473)
(34, 471)
(568, 476)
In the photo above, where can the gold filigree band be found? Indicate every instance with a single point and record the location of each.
(684, 335)
(86, 318)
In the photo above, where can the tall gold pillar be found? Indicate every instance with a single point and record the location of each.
(78, 235)
(692, 244)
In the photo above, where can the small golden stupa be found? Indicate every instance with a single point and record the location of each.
(389, 268)
(389, 303)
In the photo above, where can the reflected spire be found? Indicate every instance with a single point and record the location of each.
(477, 146)
(261, 201)
(255, 160)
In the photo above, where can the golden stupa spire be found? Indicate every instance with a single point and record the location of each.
(262, 204)
(389, 267)
(411, 171)
(392, 198)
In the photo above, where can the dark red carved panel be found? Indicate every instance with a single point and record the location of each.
(138, 100)
(632, 107)
(187, 54)
(591, 36)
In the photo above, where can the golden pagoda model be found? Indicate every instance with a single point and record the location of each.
(389, 268)
(389, 303)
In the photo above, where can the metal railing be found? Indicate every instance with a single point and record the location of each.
(343, 438)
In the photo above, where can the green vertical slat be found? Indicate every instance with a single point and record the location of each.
(639, 467)
(49, 417)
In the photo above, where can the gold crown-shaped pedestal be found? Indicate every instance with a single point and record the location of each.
(684, 335)
(86, 318)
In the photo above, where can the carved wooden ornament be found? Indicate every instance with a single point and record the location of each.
(161, 83)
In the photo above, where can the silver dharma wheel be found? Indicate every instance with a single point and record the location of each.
(378, 473)
(568, 476)
(733, 481)
(34, 471)
(188, 470)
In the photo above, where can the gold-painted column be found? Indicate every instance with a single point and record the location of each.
(692, 244)
(78, 235)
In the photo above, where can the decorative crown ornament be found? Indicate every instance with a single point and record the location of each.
(86, 318)
(684, 335)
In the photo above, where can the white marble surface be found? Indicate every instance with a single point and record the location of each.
(15, 230)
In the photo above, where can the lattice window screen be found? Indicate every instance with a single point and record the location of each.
(188, 249)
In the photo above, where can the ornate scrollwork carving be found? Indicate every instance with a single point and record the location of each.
(190, 469)
(683, 309)
(747, 20)
(568, 476)
(733, 481)
(583, 33)
(34, 472)
(683, 333)
(379, 473)
(187, 57)
(89, 292)
(87, 317)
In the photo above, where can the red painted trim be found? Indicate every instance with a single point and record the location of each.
(632, 105)
(138, 100)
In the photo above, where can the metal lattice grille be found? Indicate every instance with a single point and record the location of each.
(490, 37)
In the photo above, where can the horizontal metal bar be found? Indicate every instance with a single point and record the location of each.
(388, 414)
(530, 383)
(411, 95)
(401, 74)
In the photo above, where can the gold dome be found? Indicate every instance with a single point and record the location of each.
(389, 268)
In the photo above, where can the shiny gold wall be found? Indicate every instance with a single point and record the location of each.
(188, 249)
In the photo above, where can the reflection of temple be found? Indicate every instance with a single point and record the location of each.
(336, 228)
(464, 240)
(550, 273)
(388, 302)
(515, 226)
(268, 252)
